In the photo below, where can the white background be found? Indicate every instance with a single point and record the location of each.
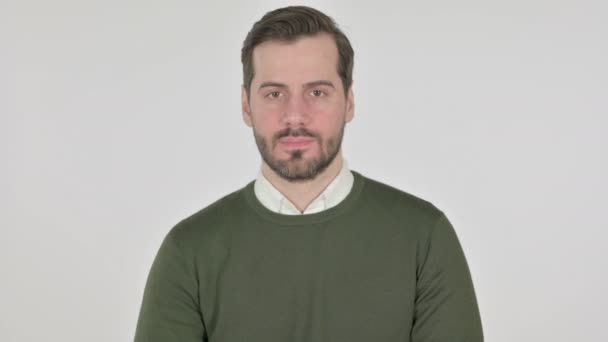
(120, 118)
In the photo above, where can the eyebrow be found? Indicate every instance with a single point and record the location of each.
(306, 85)
(319, 83)
(272, 84)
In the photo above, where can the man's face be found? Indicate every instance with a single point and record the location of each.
(297, 105)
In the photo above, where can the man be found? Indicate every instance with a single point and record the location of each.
(310, 250)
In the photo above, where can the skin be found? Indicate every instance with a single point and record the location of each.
(296, 91)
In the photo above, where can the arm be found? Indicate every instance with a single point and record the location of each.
(446, 308)
(170, 309)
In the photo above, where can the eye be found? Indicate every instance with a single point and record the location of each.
(317, 93)
(274, 94)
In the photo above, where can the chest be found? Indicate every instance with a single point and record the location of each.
(317, 284)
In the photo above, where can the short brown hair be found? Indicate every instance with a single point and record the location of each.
(290, 23)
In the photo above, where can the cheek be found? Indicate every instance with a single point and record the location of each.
(332, 110)
(264, 112)
(329, 120)
(265, 124)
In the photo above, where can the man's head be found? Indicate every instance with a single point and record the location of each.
(289, 24)
(297, 96)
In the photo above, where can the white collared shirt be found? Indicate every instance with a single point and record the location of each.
(333, 194)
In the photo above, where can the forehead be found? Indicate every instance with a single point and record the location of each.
(305, 59)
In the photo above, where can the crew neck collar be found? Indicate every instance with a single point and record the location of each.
(332, 195)
(318, 217)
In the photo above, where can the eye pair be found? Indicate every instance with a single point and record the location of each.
(277, 94)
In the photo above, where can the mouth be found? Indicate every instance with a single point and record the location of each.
(295, 142)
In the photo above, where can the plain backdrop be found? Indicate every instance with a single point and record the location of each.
(120, 118)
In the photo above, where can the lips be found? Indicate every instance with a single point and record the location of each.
(293, 142)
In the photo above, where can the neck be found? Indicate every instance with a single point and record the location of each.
(301, 194)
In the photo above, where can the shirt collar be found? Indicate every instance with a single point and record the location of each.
(333, 194)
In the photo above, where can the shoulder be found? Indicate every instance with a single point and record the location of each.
(409, 213)
(210, 220)
(397, 202)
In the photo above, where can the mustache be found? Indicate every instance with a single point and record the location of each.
(300, 132)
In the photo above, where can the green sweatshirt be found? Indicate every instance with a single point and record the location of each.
(381, 266)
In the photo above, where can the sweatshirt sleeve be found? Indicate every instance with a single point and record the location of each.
(170, 309)
(446, 308)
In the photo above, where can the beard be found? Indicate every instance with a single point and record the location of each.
(296, 168)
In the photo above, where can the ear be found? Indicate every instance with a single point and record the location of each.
(245, 108)
(350, 104)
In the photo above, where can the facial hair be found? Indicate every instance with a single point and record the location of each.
(286, 168)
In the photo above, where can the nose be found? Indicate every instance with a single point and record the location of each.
(296, 112)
